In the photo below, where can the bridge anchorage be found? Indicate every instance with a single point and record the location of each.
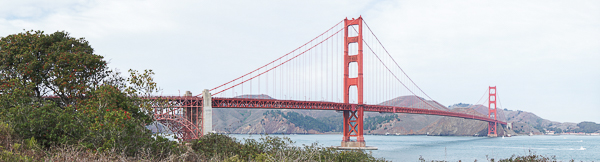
(344, 69)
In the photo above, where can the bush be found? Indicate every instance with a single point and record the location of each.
(532, 157)
(224, 148)
(212, 145)
(12, 148)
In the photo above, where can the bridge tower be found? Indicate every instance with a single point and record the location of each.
(492, 112)
(353, 119)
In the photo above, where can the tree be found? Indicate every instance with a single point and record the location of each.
(55, 89)
(50, 64)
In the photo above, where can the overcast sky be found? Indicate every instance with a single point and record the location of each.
(542, 55)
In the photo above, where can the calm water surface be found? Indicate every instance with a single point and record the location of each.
(410, 148)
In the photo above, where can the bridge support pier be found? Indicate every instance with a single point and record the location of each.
(492, 129)
(354, 144)
(206, 112)
(353, 127)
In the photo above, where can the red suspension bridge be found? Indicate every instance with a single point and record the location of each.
(346, 68)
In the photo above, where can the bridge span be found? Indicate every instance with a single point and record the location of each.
(346, 68)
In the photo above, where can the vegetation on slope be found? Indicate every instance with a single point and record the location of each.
(372, 122)
(212, 147)
(587, 127)
(302, 121)
(335, 123)
(328, 124)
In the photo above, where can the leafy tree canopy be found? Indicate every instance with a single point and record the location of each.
(55, 89)
(50, 64)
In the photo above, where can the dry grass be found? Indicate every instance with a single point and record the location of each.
(73, 153)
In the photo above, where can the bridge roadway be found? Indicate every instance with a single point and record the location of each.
(314, 105)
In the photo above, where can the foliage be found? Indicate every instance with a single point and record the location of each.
(11, 156)
(302, 121)
(56, 91)
(216, 144)
(12, 148)
(532, 157)
(335, 123)
(539, 128)
(556, 130)
(587, 127)
(6, 135)
(49, 64)
(371, 123)
(61, 98)
(328, 124)
(224, 148)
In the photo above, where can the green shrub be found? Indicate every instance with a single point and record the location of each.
(532, 157)
(269, 148)
(10, 156)
(6, 135)
(212, 145)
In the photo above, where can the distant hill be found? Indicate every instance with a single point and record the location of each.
(413, 101)
(292, 121)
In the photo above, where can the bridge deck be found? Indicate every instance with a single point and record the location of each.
(318, 105)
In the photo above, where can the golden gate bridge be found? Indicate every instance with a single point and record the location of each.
(346, 68)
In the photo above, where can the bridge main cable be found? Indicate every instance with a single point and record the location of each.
(386, 51)
(392, 73)
(279, 58)
(274, 66)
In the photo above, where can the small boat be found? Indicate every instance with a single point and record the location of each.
(386, 133)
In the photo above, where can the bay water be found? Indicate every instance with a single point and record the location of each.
(455, 148)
